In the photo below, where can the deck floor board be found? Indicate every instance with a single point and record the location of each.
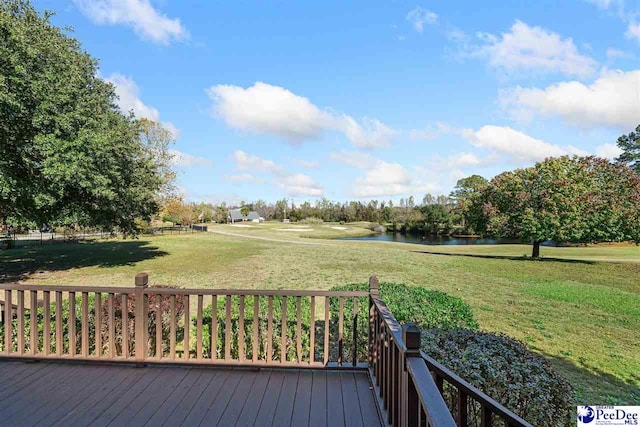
(50, 393)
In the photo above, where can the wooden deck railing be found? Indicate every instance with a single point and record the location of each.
(229, 327)
(280, 328)
(470, 406)
(416, 390)
(407, 390)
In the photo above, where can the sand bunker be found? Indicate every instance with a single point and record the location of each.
(339, 228)
(242, 225)
(295, 229)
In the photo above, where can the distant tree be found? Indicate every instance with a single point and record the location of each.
(67, 154)
(220, 213)
(579, 199)
(630, 146)
(465, 191)
(428, 199)
(245, 211)
(436, 218)
(156, 139)
(177, 211)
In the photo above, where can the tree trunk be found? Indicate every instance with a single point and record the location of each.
(536, 249)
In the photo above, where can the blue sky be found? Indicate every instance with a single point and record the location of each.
(365, 100)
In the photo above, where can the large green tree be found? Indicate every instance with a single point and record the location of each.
(630, 146)
(565, 199)
(67, 154)
(464, 193)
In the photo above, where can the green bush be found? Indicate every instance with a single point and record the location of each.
(311, 220)
(412, 304)
(424, 307)
(506, 370)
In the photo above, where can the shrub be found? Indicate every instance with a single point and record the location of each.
(506, 370)
(408, 303)
(378, 228)
(311, 220)
(424, 307)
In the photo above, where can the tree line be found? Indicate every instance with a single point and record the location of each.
(70, 157)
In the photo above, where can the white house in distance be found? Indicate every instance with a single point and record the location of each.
(234, 215)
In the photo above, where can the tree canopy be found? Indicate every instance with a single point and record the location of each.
(68, 155)
(630, 146)
(565, 199)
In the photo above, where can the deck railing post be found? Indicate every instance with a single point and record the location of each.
(373, 291)
(140, 337)
(411, 338)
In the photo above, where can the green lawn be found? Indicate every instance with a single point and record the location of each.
(574, 307)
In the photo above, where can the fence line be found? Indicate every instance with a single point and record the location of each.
(275, 328)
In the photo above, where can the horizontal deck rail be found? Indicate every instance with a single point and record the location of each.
(143, 324)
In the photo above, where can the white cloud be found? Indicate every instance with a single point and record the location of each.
(467, 159)
(128, 94)
(533, 49)
(613, 53)
(419, 16)
(140, 15)
(630, 18)
(244, 177)
(264, 108)
(608, 151)
(296, 184)
(612, 100)
(381, 178)
(246, 161)
(274, 110)
(189, 160)
(512, 143)
(299, 184)
(355, 159)
(370, 134)
(430, 132)
(633, 31)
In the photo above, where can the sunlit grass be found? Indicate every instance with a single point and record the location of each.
(583, 315)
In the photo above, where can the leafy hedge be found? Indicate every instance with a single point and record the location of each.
(424, 307)
(408, 303)
(506, 370)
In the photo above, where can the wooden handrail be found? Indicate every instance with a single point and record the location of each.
(182, 291)
(144, 324)
(489, 405)
(410, 383)
(406, 389)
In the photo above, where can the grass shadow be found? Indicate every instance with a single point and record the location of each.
(509, 257)
(601, 388)
(18, 264)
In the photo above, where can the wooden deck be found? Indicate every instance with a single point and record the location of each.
(64, 394)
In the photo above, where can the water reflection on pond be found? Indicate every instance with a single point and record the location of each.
(439, 240)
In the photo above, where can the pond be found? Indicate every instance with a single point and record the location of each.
(439, 240)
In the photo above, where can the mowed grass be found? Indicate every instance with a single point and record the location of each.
(577, 309)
